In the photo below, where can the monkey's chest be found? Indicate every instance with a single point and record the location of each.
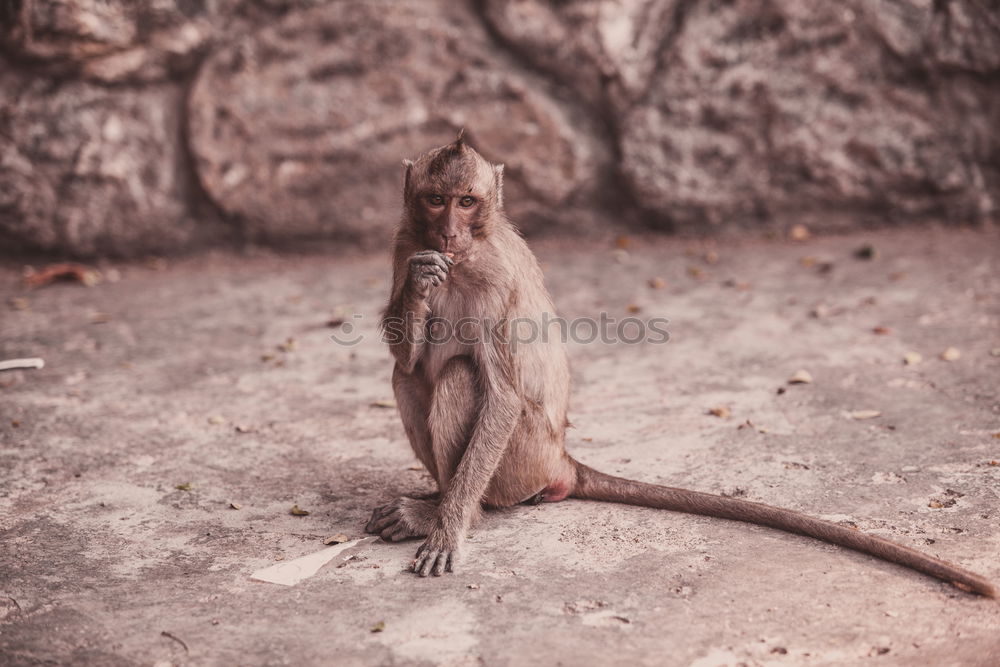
(452, 329)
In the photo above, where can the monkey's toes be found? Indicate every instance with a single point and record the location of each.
(432, 561)
(378, 520)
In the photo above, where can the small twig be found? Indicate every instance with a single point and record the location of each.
(176, 639)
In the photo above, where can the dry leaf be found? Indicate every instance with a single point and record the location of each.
(799, 233)
(657, 283)
(186, 486)
(587, 439)
(720, 411)
(289, 345)
(378, 627)
(912, 358)
(235, 506)
(951, 354)
(711, 257)
(67, 271)
(474, 587)
(865, 414)
(382, 404)
(415, 467)
(216, 419)
(337, 539)
(695, 272)
(936, 504)
(800, 377)
(241, 428)
(807, 261)
(623, 242)
(19, 303)
(633, 308)
(334, 322)
(298, 511)
(881, 331)
(867, 251)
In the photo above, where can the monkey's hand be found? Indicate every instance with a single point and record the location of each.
(428, 269)
(438, 554)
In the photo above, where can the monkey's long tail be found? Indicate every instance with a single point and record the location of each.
(595, 485)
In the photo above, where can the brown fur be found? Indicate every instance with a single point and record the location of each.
(487, 420)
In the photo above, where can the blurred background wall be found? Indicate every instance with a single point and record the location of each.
(136, 127)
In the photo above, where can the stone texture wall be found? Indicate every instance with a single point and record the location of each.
(157, 126)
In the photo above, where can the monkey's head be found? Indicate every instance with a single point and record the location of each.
(453, 197)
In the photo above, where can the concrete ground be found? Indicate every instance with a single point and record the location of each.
(177, 390)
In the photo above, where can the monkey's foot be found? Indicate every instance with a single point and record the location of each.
(402, 519)
(436, 556)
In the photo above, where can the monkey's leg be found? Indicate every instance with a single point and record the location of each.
(452, 414)
(409, 517)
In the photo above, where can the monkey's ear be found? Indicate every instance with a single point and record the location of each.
(407, 167)
(498, 179)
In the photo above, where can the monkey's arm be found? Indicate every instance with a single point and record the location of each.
(403, 326)
(406, 315)
(498, 414)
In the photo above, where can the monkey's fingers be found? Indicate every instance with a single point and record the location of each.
(432, 258)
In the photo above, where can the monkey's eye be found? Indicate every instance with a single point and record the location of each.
(435, 200)
(466, 201)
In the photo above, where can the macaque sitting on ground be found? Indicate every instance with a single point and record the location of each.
(487, 416)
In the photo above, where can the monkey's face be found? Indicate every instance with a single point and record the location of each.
(451, 220)
(453, 196)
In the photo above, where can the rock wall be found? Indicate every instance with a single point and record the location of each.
(130, 128)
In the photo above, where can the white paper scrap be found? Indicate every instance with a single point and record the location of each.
(294, 571)
(13, 364)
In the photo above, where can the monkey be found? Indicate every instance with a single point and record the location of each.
(487, 417)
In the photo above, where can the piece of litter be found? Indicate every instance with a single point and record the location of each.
(865, 414)
(336, 539)
(216, 419)
(292, 572)
(951, 354)
(186, 486)
(378, 627)
(235, 506)
(298, 511)
(657, 283)
(14, 364)
(720, 411)
(800, 377)
(382, 404)
(912, 358)
(474, 587)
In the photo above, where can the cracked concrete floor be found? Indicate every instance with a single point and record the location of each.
(217, 375)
